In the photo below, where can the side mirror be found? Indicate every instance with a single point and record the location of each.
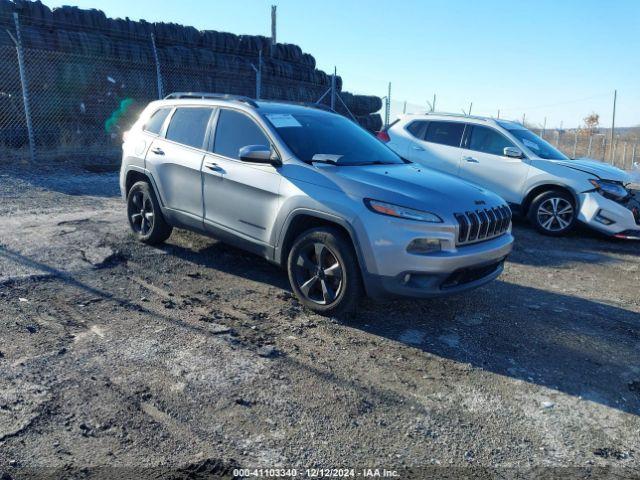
(512, 152)
(259, 154)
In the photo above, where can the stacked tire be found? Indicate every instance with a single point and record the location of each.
(83, 65)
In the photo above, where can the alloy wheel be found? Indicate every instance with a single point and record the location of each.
(555, 214)
(318, 273)
(141, 213)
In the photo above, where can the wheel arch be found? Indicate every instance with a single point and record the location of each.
(301, 220)
(134, 175)
(546, 187)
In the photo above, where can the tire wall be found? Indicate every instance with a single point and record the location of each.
(88, 74)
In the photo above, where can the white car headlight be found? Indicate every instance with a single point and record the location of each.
(392, 210)
(609, 189)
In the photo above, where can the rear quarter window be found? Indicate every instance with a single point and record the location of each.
(417, 128)
(155, 122)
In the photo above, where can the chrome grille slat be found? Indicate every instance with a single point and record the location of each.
(482, 224)
(475, 226)
(493, 223)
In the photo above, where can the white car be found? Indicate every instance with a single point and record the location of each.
(536, 179)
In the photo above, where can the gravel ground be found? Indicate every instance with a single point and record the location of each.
(195, 355)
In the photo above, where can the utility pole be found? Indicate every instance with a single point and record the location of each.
(498, 114)
(273, 24)
(613, 121)
(470, 107)
(433, 105)
(523, 117)
(404, 107)
(544, 127)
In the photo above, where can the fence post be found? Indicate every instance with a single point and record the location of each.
(25, 88)
(575, 143)
(258, 71)
(614, 146)
(624, 153)
(333, 88)
(633, 155)
(158, 72)
(590, 143)
(604, 148)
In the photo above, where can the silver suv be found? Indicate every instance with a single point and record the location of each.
(313, 192)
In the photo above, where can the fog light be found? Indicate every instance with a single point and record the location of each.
(421, 246)
(602, 219)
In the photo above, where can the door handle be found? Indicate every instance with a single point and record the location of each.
(471, 160)
(417, 147)
(213, 166)
(157, 151)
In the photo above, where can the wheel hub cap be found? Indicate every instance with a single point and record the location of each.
(141, 213)
(555, 214)
(318, 274)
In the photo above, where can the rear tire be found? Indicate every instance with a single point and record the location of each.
(553, 213)
(324, 273)
(144, 214)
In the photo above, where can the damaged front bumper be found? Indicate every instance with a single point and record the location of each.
(619, 219)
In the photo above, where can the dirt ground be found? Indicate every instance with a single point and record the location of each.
(196, 356)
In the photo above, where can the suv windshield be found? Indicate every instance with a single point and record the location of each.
(320, 136)
(537, 145)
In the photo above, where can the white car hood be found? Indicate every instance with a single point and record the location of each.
(597, 168)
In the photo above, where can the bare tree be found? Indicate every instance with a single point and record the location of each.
(592, 123)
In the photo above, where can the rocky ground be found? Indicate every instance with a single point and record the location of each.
(196, 356)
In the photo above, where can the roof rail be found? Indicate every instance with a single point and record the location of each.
(319, 106)
(211, 96)
(459, 115)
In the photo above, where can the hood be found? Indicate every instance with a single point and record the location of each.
(597, 168)
(412, 186)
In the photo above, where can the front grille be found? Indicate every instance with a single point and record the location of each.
(483, 224)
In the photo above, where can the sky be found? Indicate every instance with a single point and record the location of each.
(559, 59)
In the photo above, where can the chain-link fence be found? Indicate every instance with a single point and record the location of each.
(71, 103)
(72, 81)
(624, 152)
(14, 141)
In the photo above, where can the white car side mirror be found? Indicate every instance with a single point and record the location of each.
(512, 152)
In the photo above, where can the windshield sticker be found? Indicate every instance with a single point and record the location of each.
(530, 144)
(282, 120)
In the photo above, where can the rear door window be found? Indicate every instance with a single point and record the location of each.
(234, 131)
(188, 126)
(445, 133)
(487, 140)
(154, 124)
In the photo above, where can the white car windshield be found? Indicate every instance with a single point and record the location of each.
(537, 145)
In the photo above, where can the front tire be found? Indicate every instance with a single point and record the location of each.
(324, 273)
(144, 214)
(553, 213)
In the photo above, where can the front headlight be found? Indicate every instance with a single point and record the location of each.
(609, 189)
(392, 210)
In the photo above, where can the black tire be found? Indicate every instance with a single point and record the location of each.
(553, 213)
(144, 214)
(314, 254)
